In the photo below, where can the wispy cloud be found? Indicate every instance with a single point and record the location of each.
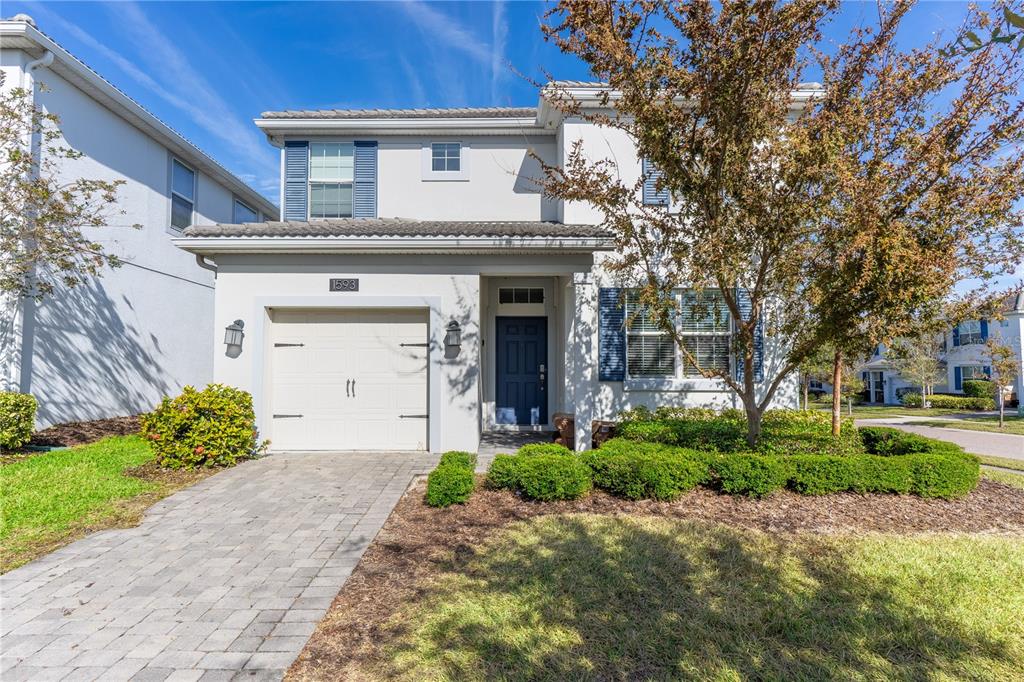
(177, 83)
(419, 93)
(443, 32)
(499, 36)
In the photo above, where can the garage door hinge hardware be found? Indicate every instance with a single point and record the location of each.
(286, 416)
(413, 416)
(413, 345)
(287, 345)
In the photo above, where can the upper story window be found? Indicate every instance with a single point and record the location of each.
(445, 161)
(331, 172)
(241, 213)
(183, 194)
(445, 156)
(970, 332)
(703, 325)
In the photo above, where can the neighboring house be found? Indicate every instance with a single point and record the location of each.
(422, 290)
(117, 344)
(963, 355)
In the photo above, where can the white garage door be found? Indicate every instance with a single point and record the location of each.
(348, 380)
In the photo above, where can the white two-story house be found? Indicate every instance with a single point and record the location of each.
(421, 289)
(116, 345)
(963, 354)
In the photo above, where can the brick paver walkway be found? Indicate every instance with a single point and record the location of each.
(224, 580)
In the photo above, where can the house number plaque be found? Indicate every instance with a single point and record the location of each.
(351, 284)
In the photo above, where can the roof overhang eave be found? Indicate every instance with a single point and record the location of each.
(208, 246)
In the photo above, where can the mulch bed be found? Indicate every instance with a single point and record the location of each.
(81, 433)
(417, 541)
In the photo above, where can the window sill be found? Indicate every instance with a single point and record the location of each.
(446, 176)
(674, 385)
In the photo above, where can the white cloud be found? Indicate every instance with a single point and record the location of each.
(499, 36)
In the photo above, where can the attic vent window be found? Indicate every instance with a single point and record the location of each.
(520, 295)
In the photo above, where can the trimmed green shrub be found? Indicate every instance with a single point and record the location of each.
(876, 474)
(639, 475)
(950, 402)
(17, 417)
(460, 458)
(945, 475)
(751, 475)
(449, 484)
(822, 474)
(979, 388)
(534, 449)
(212, 427)
(888, 442)
(504, 472)
(553, 477)
(783, 432)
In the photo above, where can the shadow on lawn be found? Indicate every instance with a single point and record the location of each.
(610, 598)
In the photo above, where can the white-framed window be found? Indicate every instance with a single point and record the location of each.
(183, 195)
(331, 172)
(243, 213)
(969, 372)
(970, 332)
(520, 294)
(704, 328)
(446, 161)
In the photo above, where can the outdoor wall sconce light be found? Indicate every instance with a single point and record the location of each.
(453, 339)
(233, 334)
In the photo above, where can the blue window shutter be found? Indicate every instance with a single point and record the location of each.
(653, 197)
(744, 304)
(984, 330)
(958, 378)
(956, 335)
(296, 180)
(611, 339)
(364, 188)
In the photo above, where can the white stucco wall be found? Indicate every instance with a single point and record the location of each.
(119, 343)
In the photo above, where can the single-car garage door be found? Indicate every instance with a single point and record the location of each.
(348, 379)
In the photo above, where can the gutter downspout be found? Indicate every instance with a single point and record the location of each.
(206, 265)
(19, 371)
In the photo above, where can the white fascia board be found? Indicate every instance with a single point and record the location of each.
(278, 128)
(18, 34)
(214, 245)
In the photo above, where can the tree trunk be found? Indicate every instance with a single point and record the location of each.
(1002, 404)
(924, 397)
(753, 424)
(807, 394)
(837, 382)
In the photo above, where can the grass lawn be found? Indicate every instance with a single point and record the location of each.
(882, 411)
(1004, 462)
(1014, 425)
(1016, 480)
(613, 597)
(54, 498)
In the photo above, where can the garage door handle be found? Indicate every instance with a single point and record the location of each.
(288, 345)
(287, 416)
(347, 383)
(413, 416)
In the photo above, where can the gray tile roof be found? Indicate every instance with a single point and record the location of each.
(396, 227)
(463, 112)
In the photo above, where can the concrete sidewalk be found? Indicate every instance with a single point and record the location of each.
(979, 442)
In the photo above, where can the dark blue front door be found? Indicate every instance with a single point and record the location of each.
(522, 366)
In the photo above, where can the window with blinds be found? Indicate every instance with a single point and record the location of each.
(704, 327)
(650, 350)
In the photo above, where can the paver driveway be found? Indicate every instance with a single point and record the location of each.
(226, 579)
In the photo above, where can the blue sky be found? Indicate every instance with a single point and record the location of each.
(208, 69)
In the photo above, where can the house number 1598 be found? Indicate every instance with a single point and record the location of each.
(351, 284)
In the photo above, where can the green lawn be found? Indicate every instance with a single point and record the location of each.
(883, 411)
(52, 498)
(605, 597)
(1014, 425)
(1016, 480)
(1004, 462)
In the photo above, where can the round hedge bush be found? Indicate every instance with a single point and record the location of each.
(212, 427)
(553, 477)
(459, 458)
(449, 483)
(503, 473)
(17, 418)
(750, 475)
(650, 475)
